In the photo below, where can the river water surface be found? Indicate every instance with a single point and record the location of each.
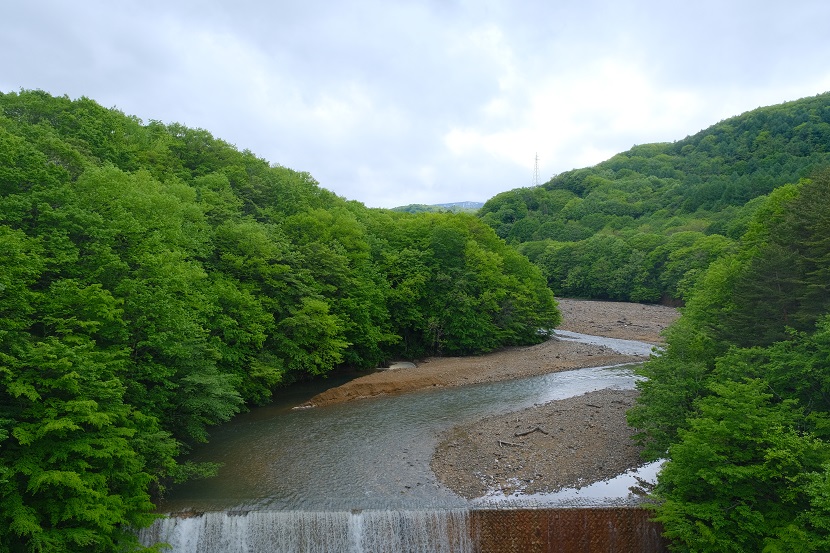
(367, 454)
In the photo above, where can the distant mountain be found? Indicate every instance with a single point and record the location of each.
(462, 205)
(454, 206)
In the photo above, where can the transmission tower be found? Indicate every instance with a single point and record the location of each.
(536, 171)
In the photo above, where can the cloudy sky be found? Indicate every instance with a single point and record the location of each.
(397, 102)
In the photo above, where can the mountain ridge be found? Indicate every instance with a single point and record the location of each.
(619, 229)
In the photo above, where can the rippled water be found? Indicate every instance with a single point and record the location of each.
(368, 454)
(626, 347)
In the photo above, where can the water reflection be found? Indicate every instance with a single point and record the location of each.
(369, 454)
(615, 491)
(626, 347)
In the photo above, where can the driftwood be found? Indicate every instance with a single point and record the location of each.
(503, 443)
(537, 429)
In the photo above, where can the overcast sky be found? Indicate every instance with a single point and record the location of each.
(392, 103)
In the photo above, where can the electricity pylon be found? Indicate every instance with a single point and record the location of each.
(536, 171)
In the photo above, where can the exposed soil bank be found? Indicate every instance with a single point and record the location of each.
(562, 444)
(612, 319)
(573, 442)
(628, 321)
(550, 356)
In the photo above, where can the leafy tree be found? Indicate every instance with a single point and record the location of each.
(155, 280)
(739, 399)
(73, 480)
(708, 183)
(737, 476)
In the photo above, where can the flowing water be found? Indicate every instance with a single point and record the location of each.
(377, 531)
(626, 347)
(334, 478)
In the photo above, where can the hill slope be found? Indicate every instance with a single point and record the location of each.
(154, 280)
(641, 225)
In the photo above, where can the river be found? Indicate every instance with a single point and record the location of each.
(355, 477)
(366, 454)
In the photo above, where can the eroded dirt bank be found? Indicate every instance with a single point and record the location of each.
(550, 356)
(565, 443)
(612, 319)
(629, 321)
(562, 444)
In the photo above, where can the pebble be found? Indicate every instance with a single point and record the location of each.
(591, 445)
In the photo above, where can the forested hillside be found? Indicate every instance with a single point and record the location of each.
(740, 400)
(643, 225)
(468, 207)
(154, 280)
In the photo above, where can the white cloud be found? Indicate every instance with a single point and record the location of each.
(393, 103)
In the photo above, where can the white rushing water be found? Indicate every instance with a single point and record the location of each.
(376, 531)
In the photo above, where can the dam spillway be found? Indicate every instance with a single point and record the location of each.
(373, 531)
(521, 530)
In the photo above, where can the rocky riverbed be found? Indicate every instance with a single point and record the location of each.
(565, 443)
(562, 444)
(601, 318)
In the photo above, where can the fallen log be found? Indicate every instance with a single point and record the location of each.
(537, 429)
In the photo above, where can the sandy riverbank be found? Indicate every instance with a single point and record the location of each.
(573, 442)
(612, 319)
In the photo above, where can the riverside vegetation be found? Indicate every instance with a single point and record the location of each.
(734, 222)
(154, 281)
(643, 225)
(740, 400)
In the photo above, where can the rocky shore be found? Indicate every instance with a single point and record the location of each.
(565, 443)
(612, 319)
(562, 444)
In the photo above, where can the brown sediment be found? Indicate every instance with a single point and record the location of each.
(579, 440)
(586, 438)
(582, 439)
(628, 321)
(612, 319)
(550, 356)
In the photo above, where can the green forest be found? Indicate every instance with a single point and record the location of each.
(643, 225)
(739, 402)
(155, 281)
(733, 224)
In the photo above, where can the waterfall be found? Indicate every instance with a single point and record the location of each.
(370, 531)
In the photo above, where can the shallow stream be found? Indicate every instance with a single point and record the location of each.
(367, 454)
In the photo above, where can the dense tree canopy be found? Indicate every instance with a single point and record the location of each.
(643, 225)
(154, 280)
(740, 400)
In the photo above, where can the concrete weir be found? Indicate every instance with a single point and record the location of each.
(574, 530)
(561, 530)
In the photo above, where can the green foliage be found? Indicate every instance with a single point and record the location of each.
(602, 266)
(708, 184)
(740, 399)
(155, 280)
(433, 261)
(737, 476)
(74, 480)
